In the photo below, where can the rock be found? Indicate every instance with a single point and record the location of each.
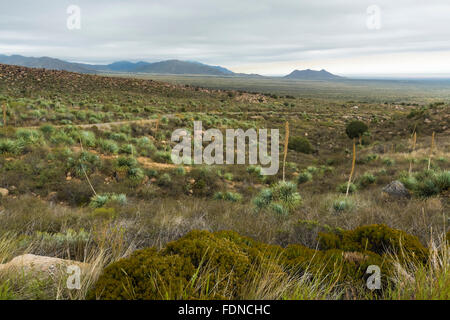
(4, 192)
(397, 189)
(43, 265)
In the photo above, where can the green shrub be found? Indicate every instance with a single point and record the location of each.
(388, 162)
(228, 176)
(200, 265)
(88, 139)
(61, 138)
(228, 196)
(83, 163)
(304, 176)
(367, 179)
(343, 204)
(300, 144)
(165, 180)
(280, 197)
(427, 183)
(47, 129)
(108, 146)
(128, 162)
(180, 171)
(163, 156)
(101, 200)
(342, 188)
(145, 275)
(128, 149)
(29, 136)
(356, 129)
(379, 239)
(254, 170)
(11, 146)
(136, 174)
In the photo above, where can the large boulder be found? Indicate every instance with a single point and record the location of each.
(42, 265)
(4, 192)
(397, 189)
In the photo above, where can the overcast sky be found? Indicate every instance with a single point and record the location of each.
(253, 36)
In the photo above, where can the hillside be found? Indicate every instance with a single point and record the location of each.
(162, 67)
(45, 62)
(86, 175)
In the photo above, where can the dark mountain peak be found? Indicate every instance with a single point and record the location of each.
(309, 74)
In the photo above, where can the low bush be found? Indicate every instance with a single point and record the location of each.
(379, 239)
(304, 176)
(300, 144)
(228, 196)
(342, 188)
(101, 200)
(281, 197)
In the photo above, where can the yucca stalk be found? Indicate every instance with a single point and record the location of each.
(414, 139)
(353, 167)
(4, 114)
(157, 123)
(286, 143)
(431, 150)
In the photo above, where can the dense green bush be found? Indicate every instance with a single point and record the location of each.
(204, 265)
(145, 275)
(108, 146)
(304, 176)
(173, 272)
(427, 183)
(228, 196)
(356, 129)
(100, 200)
(300, 144)
(281, 197)
(343, 204)
(379, 239)
(367, 179)
(342, 188)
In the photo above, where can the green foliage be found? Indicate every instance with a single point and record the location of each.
(342, 188)
(165, 180)
(388, 162)
(304, 176)
(343, 204)
(427, 183)
(228, 196)
(281, 197)
(367, 179)
(83, 163)
(101, 200)
(128, 149)
(145, 275)
(222, 262)
(108, 146)
(356, 129)
(180, 171)
(379, 239)
(300, 144)
(11, 146)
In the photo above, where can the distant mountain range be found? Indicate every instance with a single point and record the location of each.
(162, 67)
(309, 74)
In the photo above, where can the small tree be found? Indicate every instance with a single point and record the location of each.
(356, 129)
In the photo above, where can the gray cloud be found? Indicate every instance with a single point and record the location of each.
(226, 32)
